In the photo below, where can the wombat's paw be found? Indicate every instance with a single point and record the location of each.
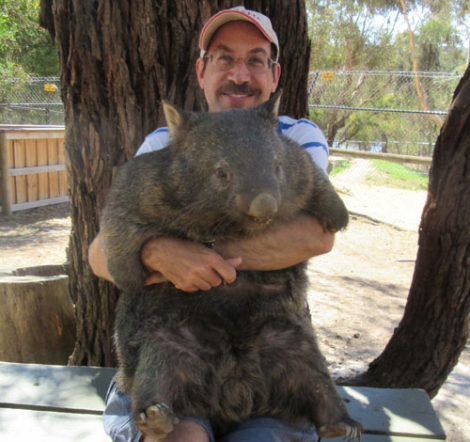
(156, 421)
(348, 428)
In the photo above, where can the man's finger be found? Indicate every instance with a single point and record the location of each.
(228, 271)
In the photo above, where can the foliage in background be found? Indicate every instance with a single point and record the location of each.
(379, 110)
(360, 34)
(25, 48)
(371, 34)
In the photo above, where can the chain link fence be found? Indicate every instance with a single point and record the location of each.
(367, 111)
(379, 111)
(31, 101)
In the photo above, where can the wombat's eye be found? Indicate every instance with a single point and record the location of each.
(222, 174)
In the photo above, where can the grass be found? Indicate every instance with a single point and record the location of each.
(390, 174)
(340, 166)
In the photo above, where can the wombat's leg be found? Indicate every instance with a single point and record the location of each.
(330, 414)
(174, 374)
(127, 326)
(152, 408)
(326, 205)
(297, 370)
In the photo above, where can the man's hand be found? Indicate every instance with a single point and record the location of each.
(189, 266)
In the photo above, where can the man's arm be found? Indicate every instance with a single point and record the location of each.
(189, 266)
(97, 260)
(281, 246)
(192, 266)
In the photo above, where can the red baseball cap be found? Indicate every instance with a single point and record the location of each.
(262, 22)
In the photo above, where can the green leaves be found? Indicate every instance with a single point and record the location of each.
(24, 45)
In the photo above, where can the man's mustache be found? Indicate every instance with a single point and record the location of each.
(238, 89)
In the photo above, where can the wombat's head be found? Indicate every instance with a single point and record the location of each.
(232, 170)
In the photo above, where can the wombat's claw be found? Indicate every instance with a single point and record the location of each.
(353, 433)
(349, 430)
(156, 421)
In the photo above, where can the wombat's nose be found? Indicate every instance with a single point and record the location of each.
(263, 207)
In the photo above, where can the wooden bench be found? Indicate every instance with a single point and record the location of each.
(59, 403)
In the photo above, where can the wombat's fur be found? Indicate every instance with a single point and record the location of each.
(237, 351)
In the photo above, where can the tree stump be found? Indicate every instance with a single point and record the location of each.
(37, 318)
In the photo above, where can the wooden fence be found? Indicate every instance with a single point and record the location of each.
(32, 167)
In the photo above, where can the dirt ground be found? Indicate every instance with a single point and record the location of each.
(357, 294)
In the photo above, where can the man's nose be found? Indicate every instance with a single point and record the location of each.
(239, 73)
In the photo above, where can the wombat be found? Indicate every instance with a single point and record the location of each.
(240, 350)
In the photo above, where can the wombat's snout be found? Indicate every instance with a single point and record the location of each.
(263, 207)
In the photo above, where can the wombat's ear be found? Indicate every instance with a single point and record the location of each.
(270, 109)
(175, 117)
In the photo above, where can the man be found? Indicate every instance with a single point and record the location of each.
(237, 69)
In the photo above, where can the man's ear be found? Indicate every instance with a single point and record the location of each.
(276, 76)
(200, 72)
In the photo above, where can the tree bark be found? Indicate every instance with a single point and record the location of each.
(435, 327)
(118, 60)
(37, 320)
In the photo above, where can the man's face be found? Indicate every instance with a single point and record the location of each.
(237, 87)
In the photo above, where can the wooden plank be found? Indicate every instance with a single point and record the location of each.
(388, 415)
(54, 387)
(35, 134)
(5, 126)
(39, 203)
(12, 179)
(406, 159)
(43, 181)
(37, 169)
(39, 426)
(19, 160)
(30, 425)
(63, 182)
(386, 438)
(400, 412)
(52, 156)
(31, 161)
(5, 183)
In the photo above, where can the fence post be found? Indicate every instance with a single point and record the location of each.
(5, 175)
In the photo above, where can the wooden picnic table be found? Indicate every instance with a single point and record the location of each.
(62, 403)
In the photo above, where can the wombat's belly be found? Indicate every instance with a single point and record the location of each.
(236, 346)
(234, 304)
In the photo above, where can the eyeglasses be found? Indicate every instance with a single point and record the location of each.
(256, 64)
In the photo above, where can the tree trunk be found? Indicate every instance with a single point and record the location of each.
(119, 59)
(37, 320)
(435, 327)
